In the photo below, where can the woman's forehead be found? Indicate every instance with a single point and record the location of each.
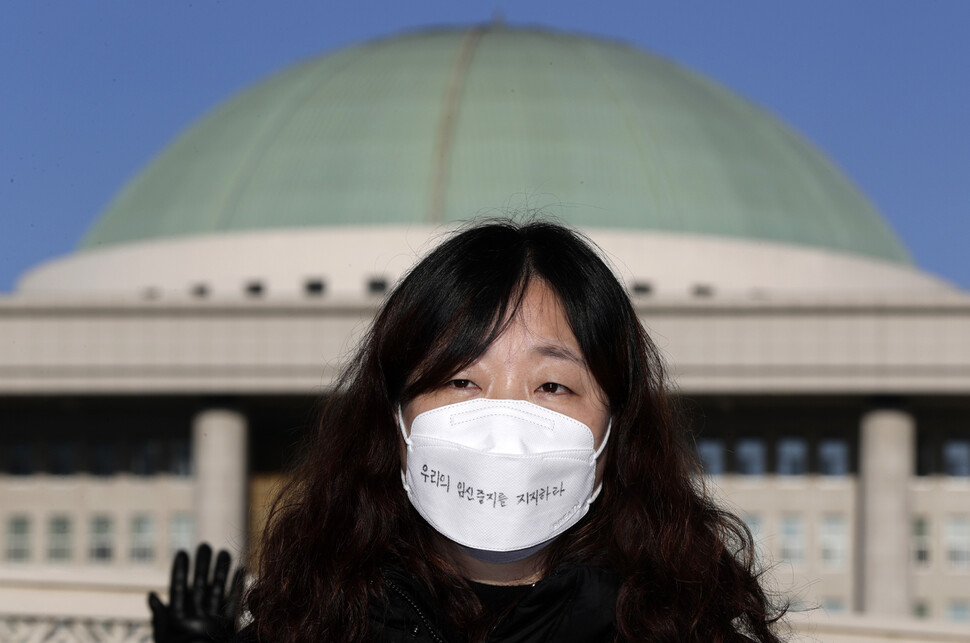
(539, 322)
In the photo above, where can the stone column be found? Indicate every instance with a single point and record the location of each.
(219, 461)
(886, 460)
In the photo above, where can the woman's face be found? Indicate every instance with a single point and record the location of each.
(536, 359)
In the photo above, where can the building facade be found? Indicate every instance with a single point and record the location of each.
(155, 384)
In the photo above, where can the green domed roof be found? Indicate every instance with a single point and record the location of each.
(442, 125)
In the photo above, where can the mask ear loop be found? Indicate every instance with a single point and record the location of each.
(400, 425)
(596, 455)
(407, 444)
(606, 438)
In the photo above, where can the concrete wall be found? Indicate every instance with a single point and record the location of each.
(347, 257)
(715, 346)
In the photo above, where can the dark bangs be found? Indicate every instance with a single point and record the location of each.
(450, 307)
(459, 299)
(596, 305)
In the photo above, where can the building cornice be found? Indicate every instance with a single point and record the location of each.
(784, 346)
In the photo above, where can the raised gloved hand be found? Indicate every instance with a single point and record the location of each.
(203, 612)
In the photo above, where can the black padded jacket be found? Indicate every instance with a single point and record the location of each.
(574, 604)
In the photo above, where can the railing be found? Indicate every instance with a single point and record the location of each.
(805, 628)
(77, 605)
(52, 629)
(817, 627)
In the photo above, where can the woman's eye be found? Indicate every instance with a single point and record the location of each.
(552, 387)
(460, 383)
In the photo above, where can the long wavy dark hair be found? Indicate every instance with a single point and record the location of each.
(686, 565)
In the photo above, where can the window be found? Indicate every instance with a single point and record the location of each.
(921, 541)
(104, 459)
(377, 285)
(921, 609)
(753, 522)
(255, 288)
(956, 533)
(102, 539)
(754, 525)
(833, 536)
(833, 457)
(792, 539)
(21, 459)
(958, 610)
(792, 457)
(180, 463)
(749, 454)
(926, 448)
(314, 287)
(642, 288)
(142, 538)
(956, 458)
(59, 539)
(181, 533)
(711, 453)
(63, 459)
(146, 457)
(18, 539)
(833, 605)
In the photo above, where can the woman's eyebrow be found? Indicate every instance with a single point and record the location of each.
(559, 352)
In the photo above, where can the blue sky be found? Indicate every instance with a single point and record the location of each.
(93, 90)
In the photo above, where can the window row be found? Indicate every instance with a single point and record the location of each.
(783, 455)
(378, 285)
(102, 542)
(956, 610)
(794, 455)
(791, 542)
(946, 455)
(100, 458)
(955, 543)
(255, 288)
(640, 288)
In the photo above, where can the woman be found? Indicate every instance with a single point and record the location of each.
(501, 462)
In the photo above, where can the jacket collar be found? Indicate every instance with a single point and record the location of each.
(575, 603)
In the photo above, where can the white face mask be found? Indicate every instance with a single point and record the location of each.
(500, 475)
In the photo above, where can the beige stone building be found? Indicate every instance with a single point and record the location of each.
(154, 383)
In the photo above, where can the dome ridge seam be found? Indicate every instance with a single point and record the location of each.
(445, 132)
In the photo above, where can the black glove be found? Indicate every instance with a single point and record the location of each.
(204, 612)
